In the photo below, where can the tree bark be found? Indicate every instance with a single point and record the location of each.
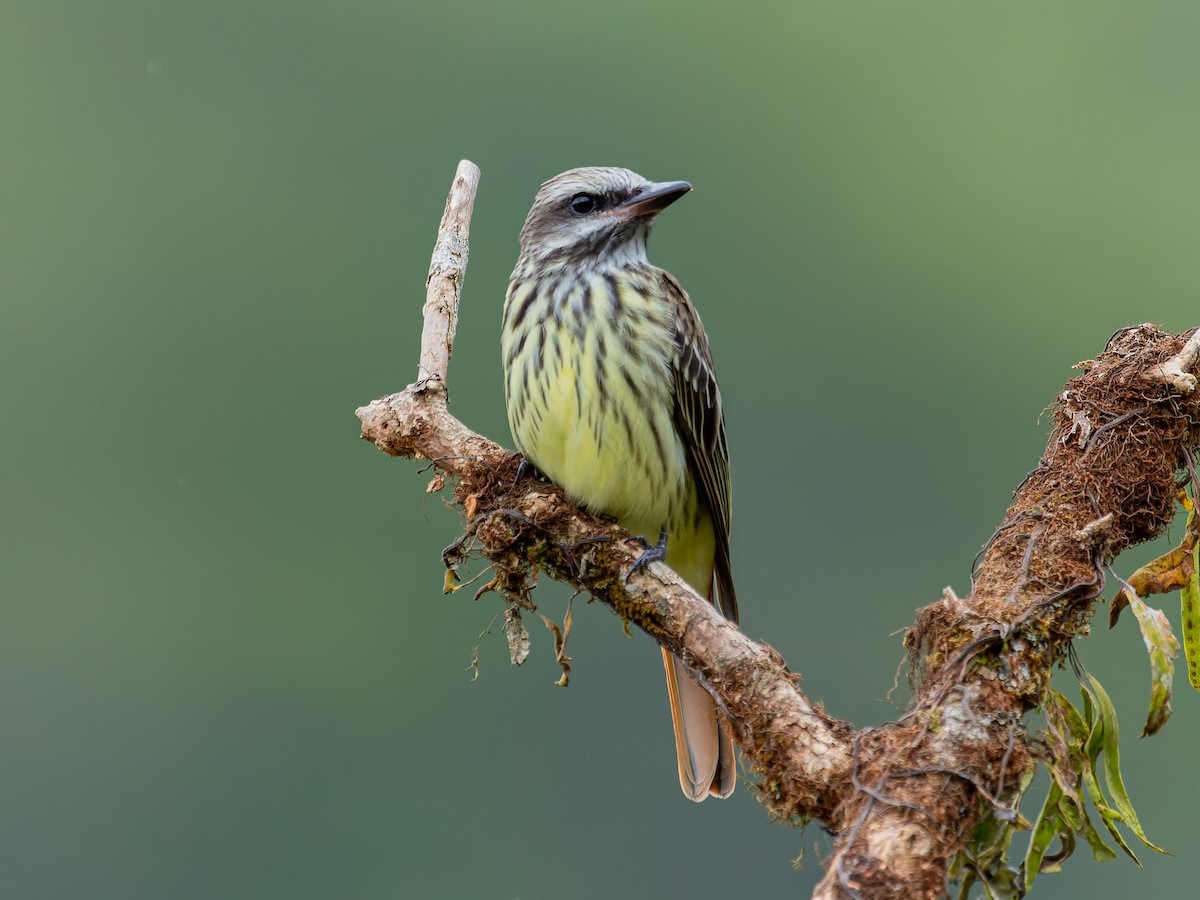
(902, 798)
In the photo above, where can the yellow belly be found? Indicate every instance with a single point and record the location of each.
(592, 409)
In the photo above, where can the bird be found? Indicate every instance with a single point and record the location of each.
(611, 394)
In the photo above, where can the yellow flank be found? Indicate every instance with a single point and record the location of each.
(590, 398)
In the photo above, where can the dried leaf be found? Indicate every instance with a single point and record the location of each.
(436, 484)
(517, 636)
(1175, 570)
(1162, 648)
(560, 644)
(1167, 573)
(1118, 603)
(1080, 423)
(1159, 576)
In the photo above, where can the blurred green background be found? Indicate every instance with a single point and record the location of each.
(226, 665)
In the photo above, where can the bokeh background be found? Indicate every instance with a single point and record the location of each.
(226, 665)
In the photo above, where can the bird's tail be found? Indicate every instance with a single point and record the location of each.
(703, 742)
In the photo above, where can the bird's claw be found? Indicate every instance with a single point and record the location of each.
(525, 467)
(655, 553)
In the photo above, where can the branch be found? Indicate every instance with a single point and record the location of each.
(447, 270)
(903, 798)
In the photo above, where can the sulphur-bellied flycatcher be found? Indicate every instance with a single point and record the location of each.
(611, 393)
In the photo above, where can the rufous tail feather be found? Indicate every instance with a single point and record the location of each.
(703, 744)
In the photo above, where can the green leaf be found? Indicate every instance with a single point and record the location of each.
(1092, 747)
(1001, 885)
(1189, 596)
(962, 874)
(1065, 744)
(1106, 723)
(1107, 814)
(1049, 825)
(1078, 728)
(1074, 813)
(1065, 735)
(984, 861)
(1101, 852)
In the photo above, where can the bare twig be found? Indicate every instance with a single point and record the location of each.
(447, 270)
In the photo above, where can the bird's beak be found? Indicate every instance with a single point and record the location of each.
(654, 198)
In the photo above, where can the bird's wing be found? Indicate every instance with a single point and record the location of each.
(701, 425)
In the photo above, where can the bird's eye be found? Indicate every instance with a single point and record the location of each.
(582, 204)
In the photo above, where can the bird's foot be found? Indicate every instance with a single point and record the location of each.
(525, 467)
(656, 553)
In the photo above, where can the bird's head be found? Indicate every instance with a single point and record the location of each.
(595, 216)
